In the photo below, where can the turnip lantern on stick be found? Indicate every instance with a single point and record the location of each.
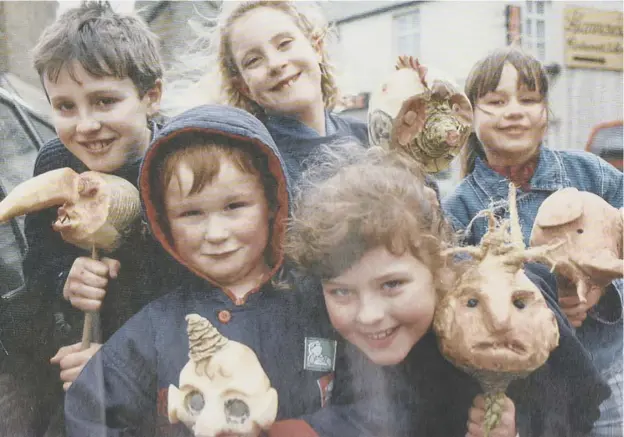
(495, 324)
(96, 211)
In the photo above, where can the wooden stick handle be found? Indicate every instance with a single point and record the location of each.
(87, 327)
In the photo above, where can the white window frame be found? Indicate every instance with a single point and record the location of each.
(534, 28)
(413, 17)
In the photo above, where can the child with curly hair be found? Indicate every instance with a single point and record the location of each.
(365, 226)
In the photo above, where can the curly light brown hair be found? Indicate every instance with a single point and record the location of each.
(307, 18)
(355, 199)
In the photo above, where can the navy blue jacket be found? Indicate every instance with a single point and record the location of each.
(425, 395)
(49, 259)
(298, 142)
(123, 389)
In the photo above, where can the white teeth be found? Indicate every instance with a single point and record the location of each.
(97, 145)
(381, 335)
(289, 83)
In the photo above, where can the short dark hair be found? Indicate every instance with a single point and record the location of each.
(484, 78)
(104, 42)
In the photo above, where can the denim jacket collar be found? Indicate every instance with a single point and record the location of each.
(550, 175)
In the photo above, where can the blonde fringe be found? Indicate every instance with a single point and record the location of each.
(188, 82)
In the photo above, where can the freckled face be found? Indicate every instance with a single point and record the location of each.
(383, 304)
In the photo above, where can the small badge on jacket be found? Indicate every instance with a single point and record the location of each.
(320, 354)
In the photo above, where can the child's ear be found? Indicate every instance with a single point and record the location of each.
(241, 86)
(153, 96)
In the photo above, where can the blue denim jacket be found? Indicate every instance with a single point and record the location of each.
(601, 333)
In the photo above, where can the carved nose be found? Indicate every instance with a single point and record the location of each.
(497, 314)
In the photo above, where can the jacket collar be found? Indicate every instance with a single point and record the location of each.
(550, 175)
(287, 125)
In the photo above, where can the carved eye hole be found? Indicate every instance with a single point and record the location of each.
(519, 303)
(236, 411)
(579, 231)
(472, 303)
(194, 402)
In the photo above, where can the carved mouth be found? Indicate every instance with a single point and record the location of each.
(63, 221)
(513, 346)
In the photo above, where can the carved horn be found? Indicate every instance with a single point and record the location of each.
(204, 339)
(53, 188)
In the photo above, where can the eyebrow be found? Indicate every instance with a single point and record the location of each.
(275, 37)
(281, 35)
(235, 196)
(390, 274)
(467, 291)
(91, 94)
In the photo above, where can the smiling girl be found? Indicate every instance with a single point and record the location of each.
(279, 72)
(364, 225)
(508, 90)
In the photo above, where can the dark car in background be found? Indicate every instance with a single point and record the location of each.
(22, 133)
(606, 140)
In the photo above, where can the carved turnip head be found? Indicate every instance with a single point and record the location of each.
(95, 209)
(419, 111)
(495, 319)
(223, 388)
(495, 323)
(592, 231)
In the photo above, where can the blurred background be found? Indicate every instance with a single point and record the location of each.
(579, 42)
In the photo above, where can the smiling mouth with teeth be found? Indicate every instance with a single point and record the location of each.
(96, 146)
(382, 334)
(287, 83)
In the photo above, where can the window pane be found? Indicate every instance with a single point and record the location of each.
(407, 33)
(539, 6)
(540, 29)
(415, 19)
(529, 27)
(529, 5)
(541, 51)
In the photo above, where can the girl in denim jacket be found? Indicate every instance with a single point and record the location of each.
(509, 93)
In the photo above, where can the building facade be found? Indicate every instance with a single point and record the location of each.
(453, 35)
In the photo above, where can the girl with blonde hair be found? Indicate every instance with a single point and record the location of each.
(271, 59)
